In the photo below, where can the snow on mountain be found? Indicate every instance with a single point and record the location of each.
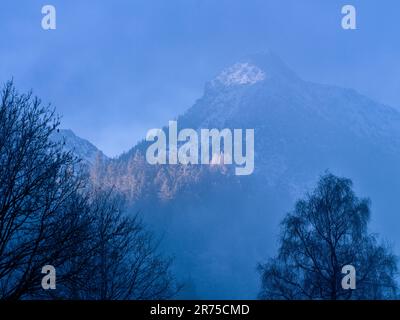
(82, 148)
(240, 74)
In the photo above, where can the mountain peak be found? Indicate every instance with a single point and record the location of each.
(241, 73)
(82, 148)
(254, 68)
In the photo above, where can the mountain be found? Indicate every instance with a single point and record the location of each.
(80, 147)
(218, 226)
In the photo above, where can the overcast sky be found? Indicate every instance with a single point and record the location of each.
(114, 69)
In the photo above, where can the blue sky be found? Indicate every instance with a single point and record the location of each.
(114, 69)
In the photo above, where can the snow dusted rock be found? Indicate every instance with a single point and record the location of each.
(82, 148)
(241, 74)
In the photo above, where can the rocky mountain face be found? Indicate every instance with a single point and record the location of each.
(218, 225)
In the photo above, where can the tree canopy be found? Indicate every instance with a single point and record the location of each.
(326, 231)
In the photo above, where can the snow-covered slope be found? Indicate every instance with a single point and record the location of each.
(80, 147)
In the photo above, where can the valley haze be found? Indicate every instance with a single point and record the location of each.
(218, 225)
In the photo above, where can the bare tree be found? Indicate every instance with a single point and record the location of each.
(325, 232)
(125, 262)
(50, 215)
(36, 180)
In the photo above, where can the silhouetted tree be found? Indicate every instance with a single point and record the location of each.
(50, 215)
(326, 231)
(125, 262)
(36, 179)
